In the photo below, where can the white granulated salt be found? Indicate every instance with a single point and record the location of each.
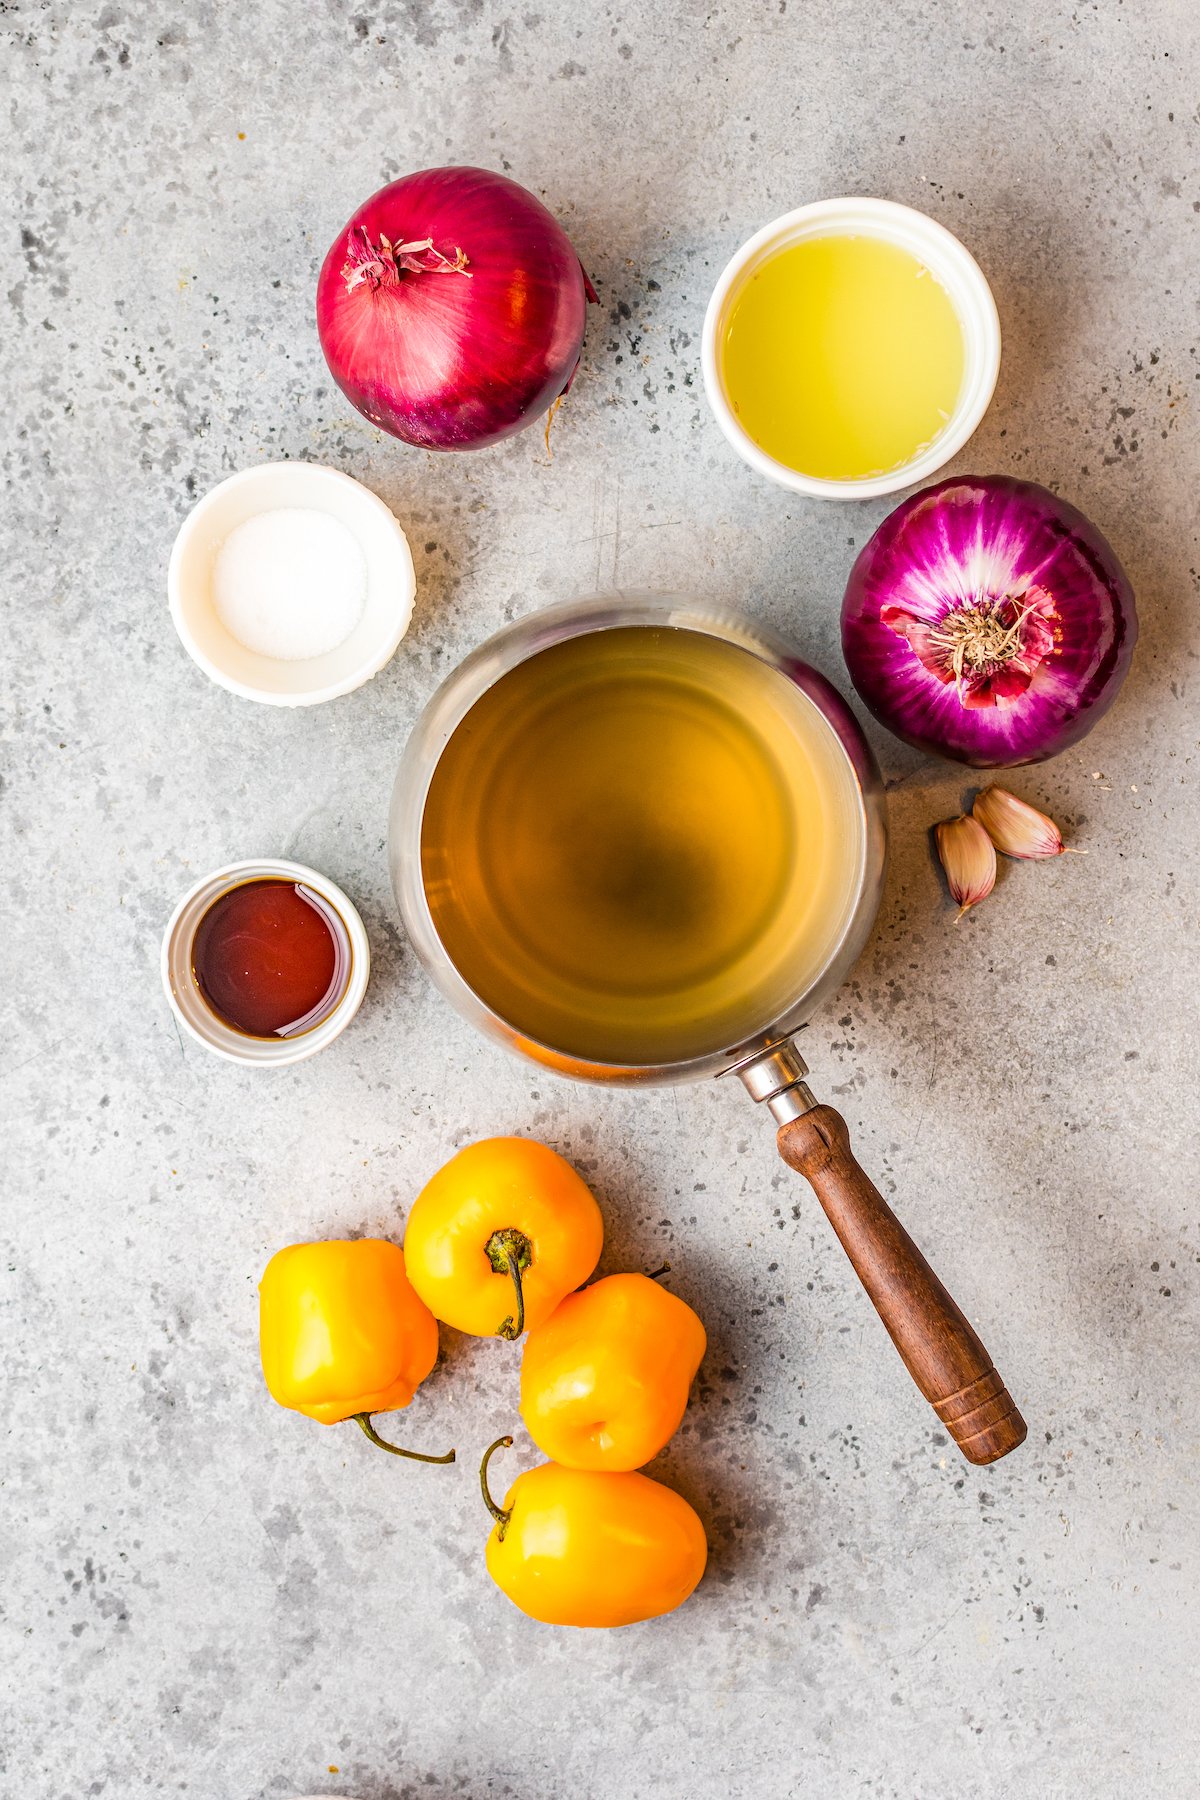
(290, 583)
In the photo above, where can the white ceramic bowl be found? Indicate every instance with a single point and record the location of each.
(391, 584)
(947, 260)
(189, 1005)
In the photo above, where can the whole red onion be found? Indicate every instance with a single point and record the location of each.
(451, 309)
(988, 621)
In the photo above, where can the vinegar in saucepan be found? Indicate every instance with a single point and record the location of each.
(640, 844)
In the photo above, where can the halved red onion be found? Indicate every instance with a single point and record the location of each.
(988, 621)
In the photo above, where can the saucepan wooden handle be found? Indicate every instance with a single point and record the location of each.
(941, 1351)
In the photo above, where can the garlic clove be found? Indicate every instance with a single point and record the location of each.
(1015, 827)
(969, 859)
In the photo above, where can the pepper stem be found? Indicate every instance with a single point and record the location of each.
(509, 1251)
(363, 1421)
(655, 1274)
(498, 1513)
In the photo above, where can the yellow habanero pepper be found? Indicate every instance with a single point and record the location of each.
(343, 1335)
(604, 1382)
(500, 1235)
(576, 1547)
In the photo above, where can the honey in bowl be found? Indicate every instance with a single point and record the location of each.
(639, 844)
(270, 958)
(842, 357)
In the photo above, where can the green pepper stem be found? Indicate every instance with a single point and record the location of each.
(363, 1421)
(509, 1251)
(498, 1513)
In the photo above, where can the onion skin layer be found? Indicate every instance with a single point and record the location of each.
(976, 540)
(453, 360)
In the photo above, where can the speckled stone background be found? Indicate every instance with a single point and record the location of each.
(204, 1595)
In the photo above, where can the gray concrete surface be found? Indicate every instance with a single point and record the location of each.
(205, 1596)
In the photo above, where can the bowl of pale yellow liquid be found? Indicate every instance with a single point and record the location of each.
(850, 348)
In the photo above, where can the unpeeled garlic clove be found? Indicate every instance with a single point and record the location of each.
(969, 859)
(1015, 827)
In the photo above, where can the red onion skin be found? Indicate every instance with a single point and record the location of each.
(976, 540)
(451, 360)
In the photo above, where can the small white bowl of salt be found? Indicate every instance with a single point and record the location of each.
(291, 583)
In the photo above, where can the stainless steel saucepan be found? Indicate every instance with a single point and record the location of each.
(940, 1349)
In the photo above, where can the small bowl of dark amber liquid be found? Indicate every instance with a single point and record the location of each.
(265, 962)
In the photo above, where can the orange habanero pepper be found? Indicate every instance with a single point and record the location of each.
(500, 1235)
(604, 1382)
(575, 1547)
(343, 1335)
